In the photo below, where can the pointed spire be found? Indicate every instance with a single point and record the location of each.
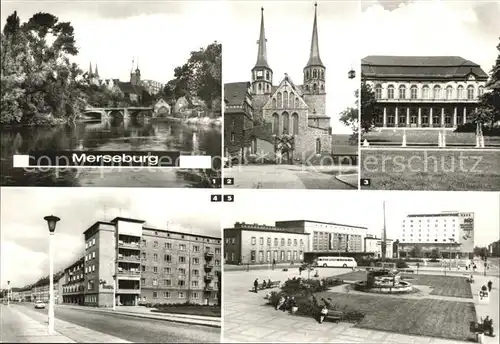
(262, 52)
(314, 59)
(90, 69)
(96, 71)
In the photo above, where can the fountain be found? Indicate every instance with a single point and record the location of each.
(384, 278)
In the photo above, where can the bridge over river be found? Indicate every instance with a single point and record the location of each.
(105, 113)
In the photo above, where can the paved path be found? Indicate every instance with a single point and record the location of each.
(247, 318)
(291, 177)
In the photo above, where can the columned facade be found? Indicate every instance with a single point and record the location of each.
(423, 92)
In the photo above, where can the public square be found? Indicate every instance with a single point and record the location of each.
(247, 317)
(21, 323)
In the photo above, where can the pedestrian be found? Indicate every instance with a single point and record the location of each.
(264, 284)
(300, 270)
(256, 285)
(490, 285)
(274, 263)
(322, 314)
(280, 303)
(466, 267)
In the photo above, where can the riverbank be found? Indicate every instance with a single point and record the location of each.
(36, 122)
(193, 120)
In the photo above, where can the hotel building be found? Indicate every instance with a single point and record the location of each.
(149, 265)
(450, 232)
(74, 283)
(423, 91)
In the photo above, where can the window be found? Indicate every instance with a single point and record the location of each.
(261, 241)
(449, 92)
(268, 241)
(217, 251)
(155, 257)
(155, 244)
(289, 242)
(93, 242)
(301, 242)
(196, 248)
(181, 271)
(437, 92)
(261, 256)
(390, 92)
(194, 284)
(480, 91)
(93, 267)
(90, 285)
(402, 92)
(282, 241)
(155, 269)
(413, 92)
(196, 272)
(294, 242)
(168, 245)
(167, 258)
(181, 283)
(182, 295)
(166, 294)
(378, 92)
(318, 146)
(276, 124)
(155, 294)
(217, 262)
(195, 295)
(425, 92)
(460, 92)
(167, 283)
(167, 270)
(182, 247)
(253, 240)
(276, 241)
(144, 243)
(93, 255)
(196, 260)
(470, 92)
(182, 259)
(252, 256)
(155, 282)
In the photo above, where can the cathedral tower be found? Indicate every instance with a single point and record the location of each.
(262, 74)
(135, 76)
(314, 74)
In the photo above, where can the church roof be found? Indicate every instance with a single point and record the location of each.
(127, 87)
(420, 66)
(235, 93)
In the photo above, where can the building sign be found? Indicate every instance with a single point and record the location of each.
(466, 226)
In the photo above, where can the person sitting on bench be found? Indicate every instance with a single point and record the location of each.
(269, 283)
(264, 284)
(281, 301)
(323, 314)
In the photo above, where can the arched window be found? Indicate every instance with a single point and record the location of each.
(314, 87)
(315, 73)
(470, 92)
(449, 92)
(318, 146)
(286, 123)
(390, 92)
(480, 91)
(425, 92)
(307, 75)
(460, 92)
(268, 76)
(402, 92)
(413, 92)
(295, 124)
(292, 101)
(276, 124)
(297, 103)
(378, 92)
(322, 75)
(280, 100)
(267, 88)
(274, 103)
(437, 92)
(259, 86)
(322, 87)
(285, 99)
(307, 87)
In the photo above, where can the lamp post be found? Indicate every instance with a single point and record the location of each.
(8, 293)
(114, 292)
(51, 222)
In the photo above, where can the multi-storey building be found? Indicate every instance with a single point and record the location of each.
(74, 286)
(40, 290)
(151, 86)
(254, 244)
(423, 91)
(137, 263)
(328, 236)
(450, 232)
(295, 115)
(494, 249)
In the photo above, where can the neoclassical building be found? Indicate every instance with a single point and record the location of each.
(424, 91)
(295, 114)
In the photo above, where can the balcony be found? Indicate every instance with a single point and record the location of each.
(209, 288)
(128, 273)
(129, 258)
(129, 244)
(208, 278)
(209, 267)
(128, 291)
(209, 255)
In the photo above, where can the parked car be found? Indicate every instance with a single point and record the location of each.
(39, 304)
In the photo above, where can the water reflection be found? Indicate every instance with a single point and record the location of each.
(117, 134)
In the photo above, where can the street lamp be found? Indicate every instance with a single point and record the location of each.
(114, 292)
(8, 293)
(51, 222)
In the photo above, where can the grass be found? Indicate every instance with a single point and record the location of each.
(450, 286)
(425, 137)
(426, 317)
(431, 170)
(191, 310)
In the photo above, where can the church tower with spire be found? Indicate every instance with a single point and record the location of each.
(262, 74)
(314, 74)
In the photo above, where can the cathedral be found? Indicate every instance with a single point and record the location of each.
(295, 114)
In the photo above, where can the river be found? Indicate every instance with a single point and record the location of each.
(136, 135)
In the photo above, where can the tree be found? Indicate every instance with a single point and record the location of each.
(369, 110)
(350, 118)
(489, 108)
(435, 253)
(416, 251)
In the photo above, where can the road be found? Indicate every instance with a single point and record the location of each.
(132, 329)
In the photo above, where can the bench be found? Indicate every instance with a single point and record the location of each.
(274, 284)
(334, 315)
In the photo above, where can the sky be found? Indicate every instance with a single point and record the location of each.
(288, 26)
(364, 209)
(159, 35)
(469, 29)
(24, 234)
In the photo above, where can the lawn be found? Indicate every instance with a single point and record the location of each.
(425, 137)
(191, 310)
(451, 286)
(431, 170)
(425, 317)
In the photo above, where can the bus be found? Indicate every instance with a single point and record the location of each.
(336, 262)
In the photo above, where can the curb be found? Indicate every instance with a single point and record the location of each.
(341, 178)
(163, 318)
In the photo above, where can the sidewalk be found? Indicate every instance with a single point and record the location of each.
(20, 328)
(143, 312)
